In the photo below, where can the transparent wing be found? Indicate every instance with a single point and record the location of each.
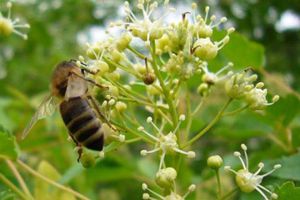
(76, 87)
(46, 108)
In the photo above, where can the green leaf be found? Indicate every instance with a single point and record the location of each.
(288, 191)
(9, 148)
(279, 111)
(290, 167)
(241, 51)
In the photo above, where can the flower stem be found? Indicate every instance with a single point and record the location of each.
(13, 187)
(236, 111)
(219, 183)
(14, 170)
(134, 51)
(226, 196)
(211, 124)
(54, 183)
(163, 86)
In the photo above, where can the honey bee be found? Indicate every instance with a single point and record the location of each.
(78, 109)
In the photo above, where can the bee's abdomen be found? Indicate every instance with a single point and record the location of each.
(82, 123)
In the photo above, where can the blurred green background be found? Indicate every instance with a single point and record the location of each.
(58, 32)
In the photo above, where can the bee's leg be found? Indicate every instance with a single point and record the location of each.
(96, 106)
(78, 147)
(90, 81)
(79, 151)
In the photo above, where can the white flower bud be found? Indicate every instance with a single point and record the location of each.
(191, 154)
(146, 196)
(275, 98)
(149, 119)
(144, 186)
(244, 147)
(111, 102)
(122, 138)
(277, 166)
(141, 128)
(182, 117)
(192, 188)
(274, 196)
(237, 154)
(144, 152)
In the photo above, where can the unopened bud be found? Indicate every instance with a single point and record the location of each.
(121, 106)
(215, 162)
(166, 177)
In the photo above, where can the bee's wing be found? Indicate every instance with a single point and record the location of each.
(76, 87)
(46, 108)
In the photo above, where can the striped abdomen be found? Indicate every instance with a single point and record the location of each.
(82, 123)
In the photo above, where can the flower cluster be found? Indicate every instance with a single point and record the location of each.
(248, 181)
(241, 86)
(9, 25)
(165, 143)
(146, 70)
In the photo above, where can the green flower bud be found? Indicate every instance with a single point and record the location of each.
(121, 106)
(215, 162)
(163, 44)
(87, 160)
(205, 49)
(166, 177)
(203, 89)
(124, 41)
(102, 66)
(116, 56)
(6, 26)
(153, 90)
(115, 76)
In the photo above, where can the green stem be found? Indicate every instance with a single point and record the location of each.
(13, 187)
(236, 111)
(18, 176)
(209, 126)
(198, 107)
(118, 65)
(163, 86)
(219, 184)
(226, 196)
(134, 51)
(54, 183)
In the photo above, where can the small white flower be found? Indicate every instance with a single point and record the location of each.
(9, 25)
(203, 47)
(165, 143)
(248, 181)
(203, 27)
(257, 98)
(146, 28)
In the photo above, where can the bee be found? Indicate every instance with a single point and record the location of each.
(78, 109)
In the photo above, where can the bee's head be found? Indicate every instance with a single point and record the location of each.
(61, 75)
